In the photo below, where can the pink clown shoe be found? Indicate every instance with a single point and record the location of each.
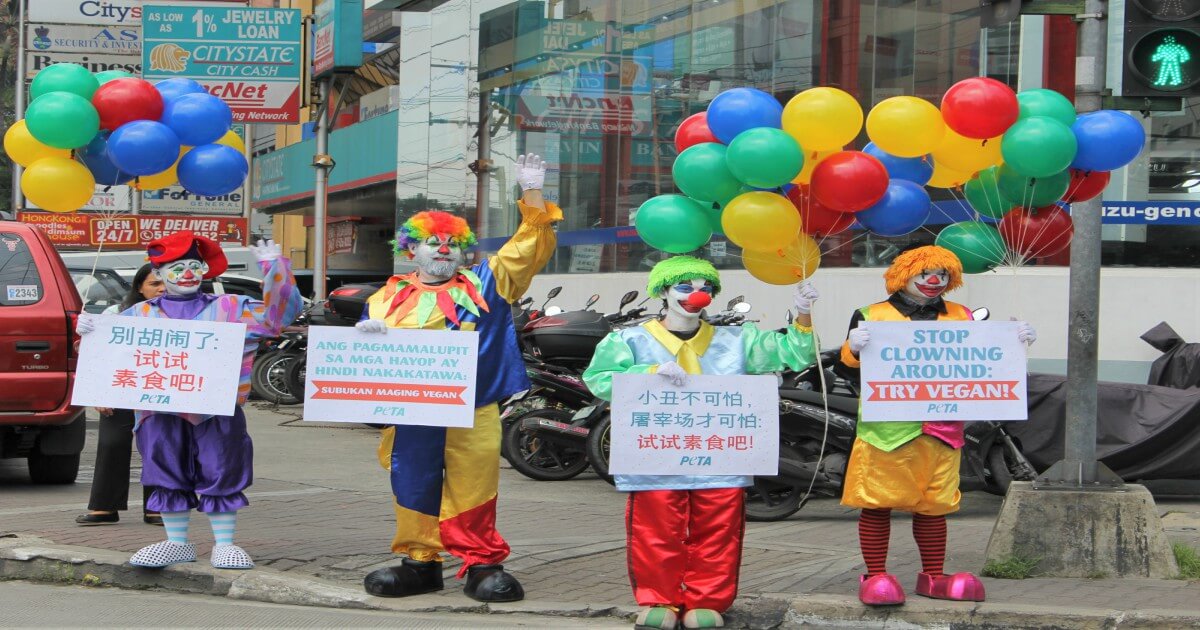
(962, 587)
(882, 589)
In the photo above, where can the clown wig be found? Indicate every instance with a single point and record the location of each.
(429, 223)
(915, 261)
(678, 269)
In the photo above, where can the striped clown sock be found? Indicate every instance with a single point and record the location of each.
(176, 524)
(223, 525)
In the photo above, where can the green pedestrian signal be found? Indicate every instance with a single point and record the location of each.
(1161, 48)
(1170, 56)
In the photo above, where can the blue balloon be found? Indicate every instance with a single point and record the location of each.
(176, 87)
(917, 169)
(95, 157)
(212, 170)
(904, 208)
(197, 118)
(1107, 140)
(143, 147)
(734, 111)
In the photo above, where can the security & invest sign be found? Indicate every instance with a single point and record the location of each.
(129, 232)
(943, 371)
(248, 57)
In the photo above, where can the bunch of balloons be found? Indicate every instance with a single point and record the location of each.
(111, 128)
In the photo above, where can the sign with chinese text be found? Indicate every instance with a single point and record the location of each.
(169, 365)
(943, 371)
(130, 232)
(713, 425)
(248, 57)
(421, 377)
(337, 36)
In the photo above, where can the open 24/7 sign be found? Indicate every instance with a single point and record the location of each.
(250, 58)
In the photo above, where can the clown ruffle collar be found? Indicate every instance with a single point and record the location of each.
(406, 293)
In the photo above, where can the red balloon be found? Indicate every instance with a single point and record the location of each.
(1086, 185)
(815, 219)
(693, 130)
(1037, 233)
(849, 181)
(980, 108)
(125, 100)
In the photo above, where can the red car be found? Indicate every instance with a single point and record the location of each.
(38, 349)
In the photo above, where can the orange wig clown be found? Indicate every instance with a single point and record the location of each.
(914, 261)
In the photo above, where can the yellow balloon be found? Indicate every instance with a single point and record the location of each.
(822, 119)
(796, 262)
(811, 160)
(905, 126)
(946, 177)
(231, 139)
(24, 149)
(760, 221)
(967, 155)
(58, 184)
(161, 179)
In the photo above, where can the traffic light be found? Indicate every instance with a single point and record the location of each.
(1162, 48)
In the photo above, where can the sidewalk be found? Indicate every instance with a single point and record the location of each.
(321, 519)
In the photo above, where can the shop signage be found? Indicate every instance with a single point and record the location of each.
(109, 199)
(616, 113)
(85, 11)
(337, 36)
(340, 237)
(83, 38)
(176, 199)
(36, 61)
(249, 57)
(1151, 212)
(129, 232)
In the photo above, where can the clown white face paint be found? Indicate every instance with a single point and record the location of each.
(438, 258)
(685, 301)
(927, 285)
(182, 277)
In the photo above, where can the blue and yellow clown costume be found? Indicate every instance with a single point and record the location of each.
(445, 480)
(685, 531)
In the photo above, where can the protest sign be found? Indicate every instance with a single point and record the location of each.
(713, 425)
(943, 371)
(170, 365)
(422, 377)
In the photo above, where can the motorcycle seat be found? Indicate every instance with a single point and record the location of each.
(843, 404)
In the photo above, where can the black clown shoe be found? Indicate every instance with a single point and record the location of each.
(410, 578)
(490, 583)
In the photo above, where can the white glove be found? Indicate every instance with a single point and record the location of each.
(85, 324)
(266, 251)
(673, 372)
(859, 338)
(1026, 334)
(806, 294)
(531, 172)
(371, 326)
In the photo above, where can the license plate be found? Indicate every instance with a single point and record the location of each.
(23, 292)
(583, 413)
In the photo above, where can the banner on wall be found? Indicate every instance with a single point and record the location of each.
(84, 38)
(77, 229)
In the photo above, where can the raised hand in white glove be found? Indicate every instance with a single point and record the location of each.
(673, 372)
(85, 324)
(859, 338)
(371, 326)
(806, 294)
(266, 251)
(1026, 334)
(531, 172)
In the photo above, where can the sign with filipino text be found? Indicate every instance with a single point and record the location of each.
(421, 377)
(713, 425)
(83, 38)
(249, 57)
(170, 365)
(943, 371)
(130, 232)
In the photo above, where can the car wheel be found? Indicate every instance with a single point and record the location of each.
(53, 469)
(269, 378)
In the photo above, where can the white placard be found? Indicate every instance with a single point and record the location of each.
(420, 377)
(151, 364)
(713, 425)
(943, 371)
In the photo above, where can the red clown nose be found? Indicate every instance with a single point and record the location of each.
(699, 299)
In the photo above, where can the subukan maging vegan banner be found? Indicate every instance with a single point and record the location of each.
(943, 371)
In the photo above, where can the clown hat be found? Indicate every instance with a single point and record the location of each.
(172, 247)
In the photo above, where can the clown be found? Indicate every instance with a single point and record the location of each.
(685, 531)
(204, 461)
(445, 480)
(909, 466)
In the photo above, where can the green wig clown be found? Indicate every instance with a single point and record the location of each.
(674, 270)
(430, 223)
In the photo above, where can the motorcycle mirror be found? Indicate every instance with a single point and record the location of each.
(789, 316)
(525, 302)
(741, 307)
(627, 299)
(734, 301)
(554, 292)
(553, 310)
(981, 314)
(592, 300)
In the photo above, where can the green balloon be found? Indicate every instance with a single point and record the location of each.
(977, 244)
(1048, 103)
(1031, 192)
(714, 218)
(673, 223)
(1038, 146)
(62, 120)
(765, 157)
(701, 173)
(112, 75)
(64, 77)
(984, 196)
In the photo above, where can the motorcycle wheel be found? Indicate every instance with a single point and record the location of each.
(768, 500)
(1001, 476)
(536, 458)
(598, 441)
(269, 378)
(295, 376)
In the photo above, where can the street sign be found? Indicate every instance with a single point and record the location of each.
(337, 36)
(84, 38)
(249, 57)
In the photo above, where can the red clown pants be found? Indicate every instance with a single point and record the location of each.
(685, 546)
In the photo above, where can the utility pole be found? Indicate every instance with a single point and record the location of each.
(18, 200)
(322, 162)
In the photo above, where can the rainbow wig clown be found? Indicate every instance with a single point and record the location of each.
(429, 223)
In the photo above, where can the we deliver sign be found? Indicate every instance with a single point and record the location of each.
(130, 232)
